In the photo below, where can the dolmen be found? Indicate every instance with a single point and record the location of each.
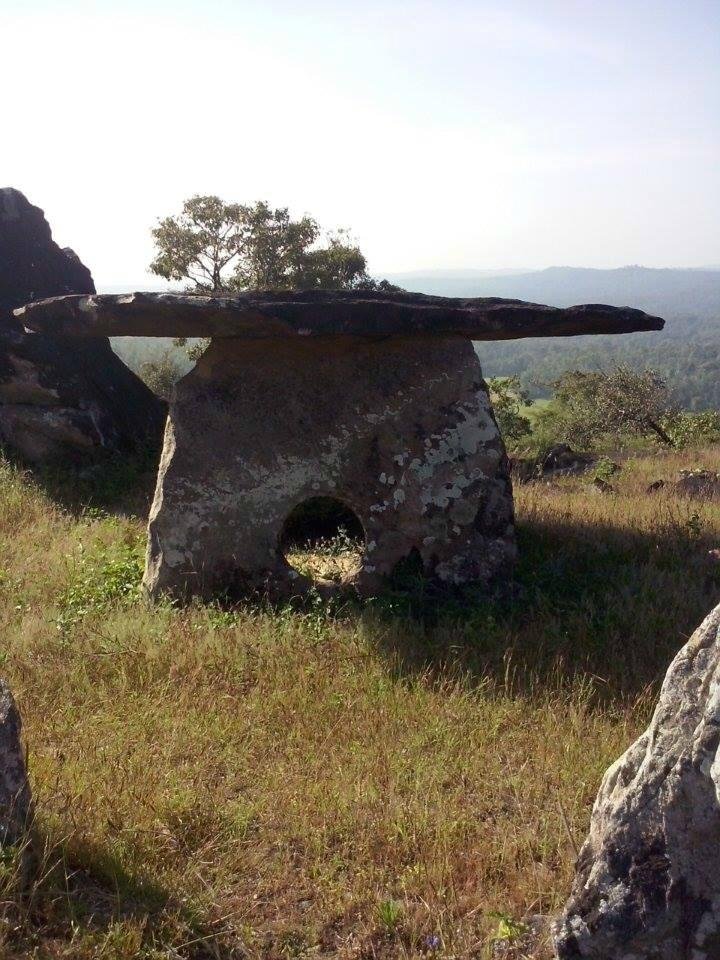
(372, 399)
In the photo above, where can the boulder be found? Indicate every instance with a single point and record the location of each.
(602, 486)
(698, 484)
(559, 460)
(562, 460)
(647, 883)
(15, 804)
(59, 398)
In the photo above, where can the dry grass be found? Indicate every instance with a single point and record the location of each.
(410, 778)
(336, 560)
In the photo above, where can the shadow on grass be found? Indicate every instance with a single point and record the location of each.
(81, 894)
(604, 606)
(112, 482)
(609, 605)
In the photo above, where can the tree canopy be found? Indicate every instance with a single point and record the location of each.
(616, 404)
(509, 398)
(223, 248)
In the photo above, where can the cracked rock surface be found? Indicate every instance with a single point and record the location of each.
(647, 885)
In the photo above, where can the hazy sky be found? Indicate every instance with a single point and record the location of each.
(445, 134)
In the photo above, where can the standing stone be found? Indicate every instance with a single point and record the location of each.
(59, 399)
(258, 429)
(647, 885)
(14, 786)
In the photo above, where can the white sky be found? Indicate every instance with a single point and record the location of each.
(455, 134)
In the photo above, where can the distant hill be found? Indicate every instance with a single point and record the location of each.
(687, 352)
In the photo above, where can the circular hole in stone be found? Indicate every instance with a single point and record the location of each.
(323, 539)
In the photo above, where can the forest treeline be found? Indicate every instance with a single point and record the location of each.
(686, 355)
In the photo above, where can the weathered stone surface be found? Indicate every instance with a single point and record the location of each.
(647, 885)
(14, 786)
(323, 313)
(32, 265)
(59, 398)
(399, 430)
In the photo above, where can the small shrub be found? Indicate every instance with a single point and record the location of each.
(508, 929)
(605, 470)
(508, 399)
(693, 429)
(389, 914)
(110, 576)
(162, 374)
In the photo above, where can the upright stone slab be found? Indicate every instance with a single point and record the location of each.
(14, 787)
(401, 431)
(647, 883)
(376, 400)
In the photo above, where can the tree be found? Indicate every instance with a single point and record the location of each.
(508, 398)
(161, 374)
(597, 406)
(223, 248)
(201, 244)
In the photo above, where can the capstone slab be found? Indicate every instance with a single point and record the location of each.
(322, 313)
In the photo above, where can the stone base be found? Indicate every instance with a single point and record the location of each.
(399, 430)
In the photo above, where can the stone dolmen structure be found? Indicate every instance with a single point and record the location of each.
(373, 399)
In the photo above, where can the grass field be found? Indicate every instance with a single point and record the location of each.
(405, 778)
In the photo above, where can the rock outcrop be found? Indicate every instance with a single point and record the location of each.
(14, 787)
(698, 484)
(59, 398)
(560, 460)
(647, 885)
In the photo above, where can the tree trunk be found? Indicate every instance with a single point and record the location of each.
(658, 430)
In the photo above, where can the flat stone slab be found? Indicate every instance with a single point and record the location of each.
(322, 313)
